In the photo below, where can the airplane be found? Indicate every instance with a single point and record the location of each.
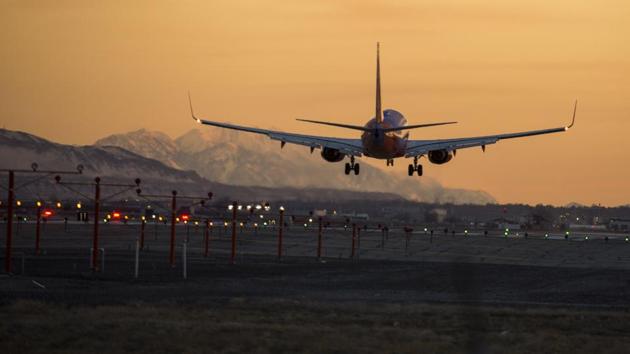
(383, 137)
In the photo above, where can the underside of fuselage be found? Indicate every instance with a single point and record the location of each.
(385, 145)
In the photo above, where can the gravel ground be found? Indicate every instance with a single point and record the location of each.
(452, 294)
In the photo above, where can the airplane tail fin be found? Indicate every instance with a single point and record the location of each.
(379, 111)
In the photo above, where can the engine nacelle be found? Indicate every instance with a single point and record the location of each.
(332, 155)
(439, 157)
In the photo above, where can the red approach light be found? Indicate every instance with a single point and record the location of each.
(184, 217)
(47, 213)
(116, 215)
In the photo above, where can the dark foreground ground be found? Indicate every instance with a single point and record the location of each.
(455, 295)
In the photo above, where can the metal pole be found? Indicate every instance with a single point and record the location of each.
(97, 201)
(354, 238)
(319, 239)
(206, 238)
(358, 242)
(137, 266)
(103, 261)
(233, 256)
(173, 211)
(184, 260)
(38, 227)
(7, 257)
(280, 229)
(382, 237)
(142, 226)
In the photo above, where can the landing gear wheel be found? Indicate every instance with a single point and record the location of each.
(419, 169)
(356, 169)
(411, 170)
(347, 168)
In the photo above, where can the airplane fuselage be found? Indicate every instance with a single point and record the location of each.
(385, 145)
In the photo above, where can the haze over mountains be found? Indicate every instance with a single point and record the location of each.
(117, 165)
(243, 159)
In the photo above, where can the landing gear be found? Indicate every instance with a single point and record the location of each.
(415, 167)
(352, 166)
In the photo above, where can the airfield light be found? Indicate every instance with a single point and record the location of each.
(255, 224)
(116, 215)
(586, 238)
(143, 218)
(241, 224)
(225, 223)
(626, 238)
(265, 223)
(281, 208)
(425, 229)
(18, 203)
(176, 219)
(196, 222)
(240, 207)
(185, 217)
(38, 203)
(567, 233)
(507, 230)
(105, 220)
(546, 235)
(160, 218)
(505, 233)
(305, 225)
(153, 216)
(230, 207)
(249, 207)
(47, 213)
(58, 204)
(310, 219)
(78, 205)
(258, 206)
(261, 216)
(185, 221)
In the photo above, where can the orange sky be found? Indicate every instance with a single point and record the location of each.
(75, 71)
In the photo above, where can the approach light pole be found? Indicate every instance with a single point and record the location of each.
(11, 188)
(97, 206)
(280, 229)
(173, 196)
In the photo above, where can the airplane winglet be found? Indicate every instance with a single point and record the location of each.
(573, 119)
(192, 113)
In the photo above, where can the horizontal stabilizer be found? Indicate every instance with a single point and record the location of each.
(348, 126)
(356, 127)
(416, 126)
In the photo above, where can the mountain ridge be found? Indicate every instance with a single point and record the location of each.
(242, 159)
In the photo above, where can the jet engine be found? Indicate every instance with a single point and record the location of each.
(439, 157)
(332, 155)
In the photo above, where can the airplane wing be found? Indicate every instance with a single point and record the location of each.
(351, 147)
(422, 147)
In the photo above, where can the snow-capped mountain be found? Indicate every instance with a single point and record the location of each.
(154, 145)
(117, 165)
(239, 158)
